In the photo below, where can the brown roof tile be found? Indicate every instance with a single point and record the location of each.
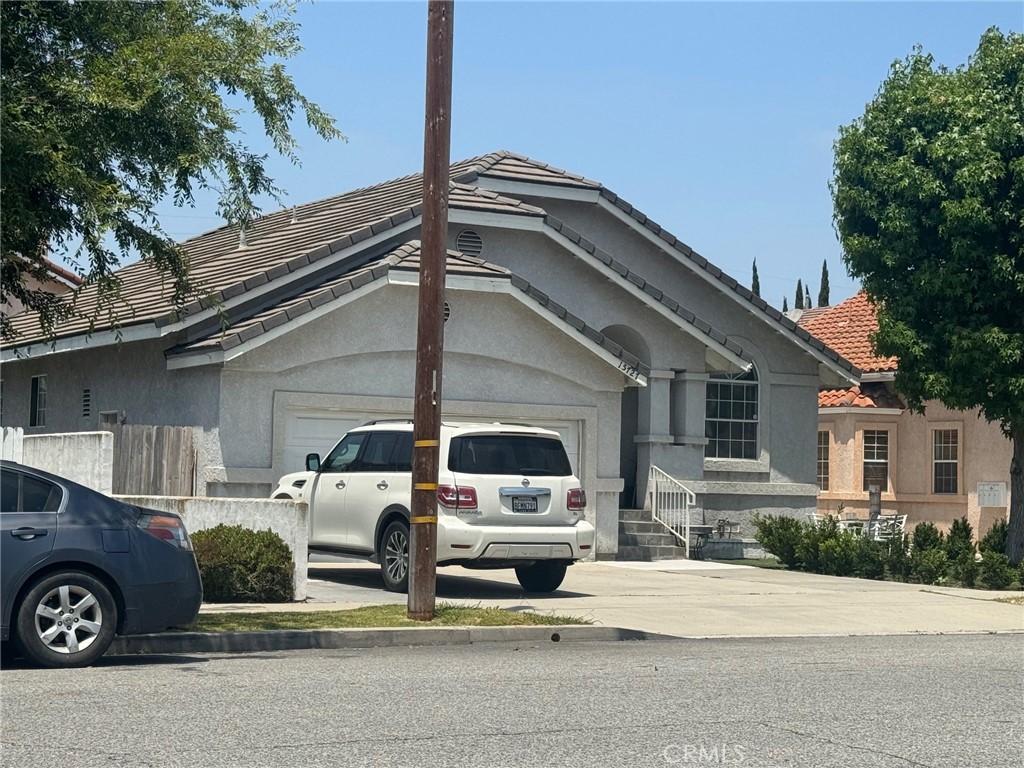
(847, 328)
(873, 395)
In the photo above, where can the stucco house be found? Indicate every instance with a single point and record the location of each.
(937, 467)
(566, 308)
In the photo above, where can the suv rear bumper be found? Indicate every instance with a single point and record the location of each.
(457, 540)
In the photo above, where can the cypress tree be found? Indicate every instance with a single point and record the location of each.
(799, 303)
(785, 306)
(807, 296)
(755, 283)
(823, 293)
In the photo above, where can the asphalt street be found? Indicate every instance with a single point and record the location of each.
(828, 701)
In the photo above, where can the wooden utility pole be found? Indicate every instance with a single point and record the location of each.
(430, 328)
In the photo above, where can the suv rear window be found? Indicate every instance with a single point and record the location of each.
(508, 455)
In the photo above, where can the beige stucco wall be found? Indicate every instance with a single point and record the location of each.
(984, 457)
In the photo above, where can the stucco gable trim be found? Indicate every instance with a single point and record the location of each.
(529, 188)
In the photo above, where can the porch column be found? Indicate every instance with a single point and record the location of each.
(689, 393)
(654, 427)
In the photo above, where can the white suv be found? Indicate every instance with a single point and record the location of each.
(506, 498)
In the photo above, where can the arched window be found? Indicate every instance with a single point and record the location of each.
(731, 416)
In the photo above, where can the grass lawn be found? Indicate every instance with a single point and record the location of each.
(374, 617)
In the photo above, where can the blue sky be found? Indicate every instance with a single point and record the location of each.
(714, 119)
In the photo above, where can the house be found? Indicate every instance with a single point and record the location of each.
(566, 307)
(936, 467)
(58, 281)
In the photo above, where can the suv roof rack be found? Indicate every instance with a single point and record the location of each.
(386, 421)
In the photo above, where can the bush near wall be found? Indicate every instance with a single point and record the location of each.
(240, 565)
(925, 557)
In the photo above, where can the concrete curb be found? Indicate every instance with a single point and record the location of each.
(296, 639)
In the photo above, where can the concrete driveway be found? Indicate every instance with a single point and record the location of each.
(692, 599)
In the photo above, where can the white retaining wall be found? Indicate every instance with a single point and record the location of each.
(288, 519)
(86, 458)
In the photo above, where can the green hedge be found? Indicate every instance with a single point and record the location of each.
(926, 556)
(240, 565)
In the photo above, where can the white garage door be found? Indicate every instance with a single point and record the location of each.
(309, 430)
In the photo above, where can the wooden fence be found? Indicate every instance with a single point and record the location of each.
(153, 461)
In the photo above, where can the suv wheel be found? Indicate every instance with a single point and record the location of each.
(543, 576)
(66, 620)
(394, 556)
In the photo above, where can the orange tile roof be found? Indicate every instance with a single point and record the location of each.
(868, 396)
(847, 329)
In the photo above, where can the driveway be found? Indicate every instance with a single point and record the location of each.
(693, 599)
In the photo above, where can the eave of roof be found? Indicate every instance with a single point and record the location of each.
(405, 258)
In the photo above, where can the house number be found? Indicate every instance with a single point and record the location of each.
(629, 370)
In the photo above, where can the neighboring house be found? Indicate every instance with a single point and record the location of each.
(935, 467)
(567, 308)
(59, 281)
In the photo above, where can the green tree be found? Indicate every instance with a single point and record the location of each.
(824, 290)
(928, 191)
(807, 296)
(799, 303)
(755, 282)
(785, 305)
(111, 107)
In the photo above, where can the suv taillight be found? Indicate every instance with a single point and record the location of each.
(456, 496)
(166, 527)
(576, 499)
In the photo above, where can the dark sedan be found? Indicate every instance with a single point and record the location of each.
(79, 568)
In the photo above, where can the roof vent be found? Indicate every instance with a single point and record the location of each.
(242, 241)
(469, 242)
(295, 215)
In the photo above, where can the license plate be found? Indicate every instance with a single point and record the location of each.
(524, 504)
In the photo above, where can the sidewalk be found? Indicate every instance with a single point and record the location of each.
(624, 601)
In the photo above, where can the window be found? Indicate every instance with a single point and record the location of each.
(823, 445)
(25, 493)
(508, 455)
(343, 457)
(731, 419)
(945, 455)
(377, 454)
(876, 459)
(37, 412)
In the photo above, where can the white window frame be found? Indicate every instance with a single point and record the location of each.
(874, 460)
(824, 460)
(747, 381)
(935, 430)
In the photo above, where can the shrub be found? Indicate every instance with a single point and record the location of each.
(837, 555)
(928, 566)
(244, 566)
(870, 558)
(780, 536)
(960, 541)
(927, 536)
(808, 550)
(897, 557)
(964, 569)
(995, 571)
(995, 539)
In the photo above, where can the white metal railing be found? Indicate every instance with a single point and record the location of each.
(670, 504)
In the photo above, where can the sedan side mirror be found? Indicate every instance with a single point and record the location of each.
(313, 462)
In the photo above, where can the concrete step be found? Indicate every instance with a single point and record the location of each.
(635, 515)
(639, 526)
(648, 554)
(646, 540)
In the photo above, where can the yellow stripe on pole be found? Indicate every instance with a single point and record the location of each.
(426, 444)
(423, 519)
(425, 486)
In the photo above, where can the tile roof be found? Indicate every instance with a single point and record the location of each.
(847, 328)
(405, 258)
(872, 395)
(291, 239)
